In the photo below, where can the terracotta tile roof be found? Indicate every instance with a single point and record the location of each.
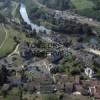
(95, 82)
(98, 89)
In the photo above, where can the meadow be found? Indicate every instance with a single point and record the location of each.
(2, 35)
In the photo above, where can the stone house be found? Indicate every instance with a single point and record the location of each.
(25, 50)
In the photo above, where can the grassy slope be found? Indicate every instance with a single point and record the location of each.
(10, 44)
(2, 34)
(82, 4)
(29, 5)
(14, 10)
(12, 95)
(87, 8)
(10, 10)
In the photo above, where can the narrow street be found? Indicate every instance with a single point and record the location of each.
(97, 52)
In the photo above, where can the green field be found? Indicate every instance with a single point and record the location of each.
(2, 34)
(82, 4)
(89, 8)
(9, 44)
(12, 95)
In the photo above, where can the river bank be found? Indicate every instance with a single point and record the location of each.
(26, 19)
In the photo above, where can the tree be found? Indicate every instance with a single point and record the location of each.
(50, 97)
(2, 18)
(75, 71)
(3, 74)
(34, 32)
(16, 39)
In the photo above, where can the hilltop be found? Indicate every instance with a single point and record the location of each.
(89, 8)
(57, 4)
(49, 50)
(9, 9)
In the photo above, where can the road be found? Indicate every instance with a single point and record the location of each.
(96, 52)
(16, 51)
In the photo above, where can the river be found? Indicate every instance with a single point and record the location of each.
(25, 17)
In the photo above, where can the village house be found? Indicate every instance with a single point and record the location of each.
(64, 83)
(5, 87)
(45, 88)
(47, 84)
(14, 81)
(25, 50)
(89, 72)
(31, 86)
(42, 84)
(72, 84)
(97, 61)
(83, 87)
(53, 68)
(94, 89)
(54, 56)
